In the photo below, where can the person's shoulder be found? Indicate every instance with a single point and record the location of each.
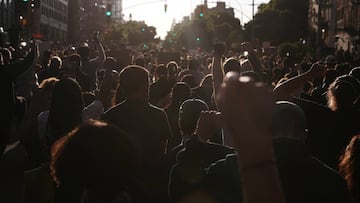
(223, 148)
(223, 166)
(156, 109)
(174, 152)
(115, 110)
(326, 171)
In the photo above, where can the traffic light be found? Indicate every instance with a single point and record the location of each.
(165, 8)
(108, 12)
(202, 11)
(198, 39)
(142, 29)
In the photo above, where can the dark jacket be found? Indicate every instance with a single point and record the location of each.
(303, 177)
(187, 174)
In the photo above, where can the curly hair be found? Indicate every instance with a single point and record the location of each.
(349, 167)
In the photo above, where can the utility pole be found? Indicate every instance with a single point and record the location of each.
(318, 33)
(253, 23)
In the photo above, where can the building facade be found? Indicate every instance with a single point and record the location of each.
(54, 19)
(336, 23)
(348, 25)
(7, 14)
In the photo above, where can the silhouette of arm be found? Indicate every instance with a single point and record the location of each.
(247, 110)
(217, 69)
(287, 88)
(101, 57)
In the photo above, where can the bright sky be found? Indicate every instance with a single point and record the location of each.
(153, 13)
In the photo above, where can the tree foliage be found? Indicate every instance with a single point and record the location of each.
(202, 30)
(133, 33)
(280, 21)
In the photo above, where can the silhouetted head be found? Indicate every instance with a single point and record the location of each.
(96, 160)
(289, 121)
(6, 55)
(232, 64)
(189, 80)
(180, 93)
(162, 71)
(66, 108)
(194, 64)
(189, 114)
(207, 81)
(140, 61)
(55, 62)
(84, 52)
(355, 72)
(134, 82)
(172, 67)
(343, 93)
(330, 77)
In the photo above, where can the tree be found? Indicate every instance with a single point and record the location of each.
(280, 21)
(132, 33)
(204, 28)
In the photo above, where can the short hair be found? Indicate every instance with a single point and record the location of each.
(189, 113)
(132, 78)
(355, 72)
(189, 79)
(161, 70)
(207, 81)
(194, 64)
(232, 64)
(343, 92)
(172, 67)
(75, 58)
(6, 53)
(180, 93)
(55, 62)
(288, 119)
(140, 61)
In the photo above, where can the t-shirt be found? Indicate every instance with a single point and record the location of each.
(92, 111)
(146, 124)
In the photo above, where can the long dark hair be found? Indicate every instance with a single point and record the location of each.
(349, 168)
(65, 109)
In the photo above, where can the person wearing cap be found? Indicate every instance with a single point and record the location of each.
(195, 153)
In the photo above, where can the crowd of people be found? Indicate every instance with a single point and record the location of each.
(86, 125)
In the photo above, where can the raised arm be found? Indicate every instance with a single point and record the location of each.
(247, 109)
(99, 47)
(289, 87)
(217, 67)
(253, 59)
